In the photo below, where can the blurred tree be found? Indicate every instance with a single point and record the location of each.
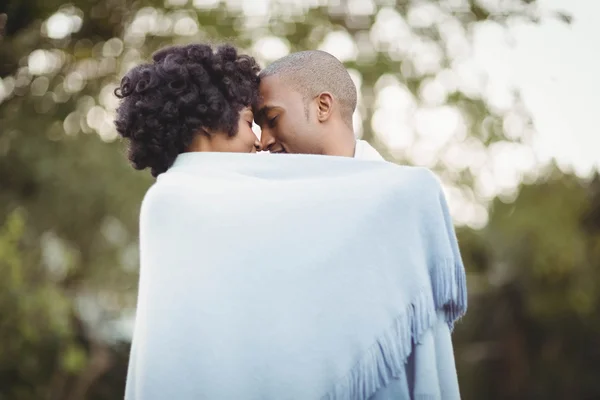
(533, 330)
(78, 199)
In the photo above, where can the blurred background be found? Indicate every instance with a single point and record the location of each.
(498, 97)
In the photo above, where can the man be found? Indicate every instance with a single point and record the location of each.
(308, 100)
(306, 106)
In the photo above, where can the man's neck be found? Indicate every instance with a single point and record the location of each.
(341, 142)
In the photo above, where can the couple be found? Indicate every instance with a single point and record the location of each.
(322, 274)
(193, 99)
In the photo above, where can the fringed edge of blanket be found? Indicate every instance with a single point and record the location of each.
(449, 284)
(386, 359)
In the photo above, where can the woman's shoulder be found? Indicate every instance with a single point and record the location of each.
(165, 194)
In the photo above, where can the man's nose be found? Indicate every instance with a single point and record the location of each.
(266, 139)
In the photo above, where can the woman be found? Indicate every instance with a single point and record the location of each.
(190, 98)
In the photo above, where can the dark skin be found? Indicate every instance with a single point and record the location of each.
(290, 125)
(245, 141)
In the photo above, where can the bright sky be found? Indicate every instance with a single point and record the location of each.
(558, 69)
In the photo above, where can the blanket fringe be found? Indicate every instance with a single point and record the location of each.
(386, 359)
(449, 284)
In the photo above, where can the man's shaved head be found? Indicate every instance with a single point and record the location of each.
(313, 72)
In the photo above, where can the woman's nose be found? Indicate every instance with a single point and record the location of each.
(257, 145)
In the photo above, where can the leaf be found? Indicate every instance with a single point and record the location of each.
(73, 359)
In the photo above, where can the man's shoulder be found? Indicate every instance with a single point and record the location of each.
(412, 173)
(420, 182)
(364, 151)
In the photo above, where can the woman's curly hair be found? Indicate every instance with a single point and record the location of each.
(185, 90)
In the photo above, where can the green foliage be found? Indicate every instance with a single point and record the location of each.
(35, 321)
(535, 304)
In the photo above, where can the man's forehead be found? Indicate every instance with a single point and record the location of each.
(275, 91)
(271, 86)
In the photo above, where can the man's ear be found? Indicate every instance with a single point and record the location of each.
(325, 106)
